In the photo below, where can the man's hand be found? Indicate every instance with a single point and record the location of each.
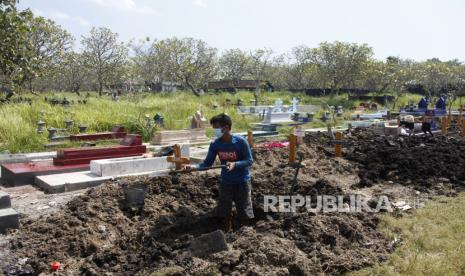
(230, 166)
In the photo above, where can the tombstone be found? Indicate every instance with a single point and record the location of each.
(294, 105)
(339, 111)
(272, 117)
(278, 104)
(82, 128)
(159, 120)
(52, 133)
(198, 120)
(65, 102)
(40, 126)
(325, 116)
(69, 123)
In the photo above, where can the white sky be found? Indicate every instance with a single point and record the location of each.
(418, 29)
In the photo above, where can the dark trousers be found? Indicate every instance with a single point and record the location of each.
(241, 195)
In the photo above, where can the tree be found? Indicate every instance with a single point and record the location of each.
(16, 53)
(105, 55)
(50, 44)
(234, 65)
(189, 61)
(260, 59)
(341, 63)
(298, 67)
(73, 71)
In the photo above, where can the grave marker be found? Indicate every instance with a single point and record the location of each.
(292, 148)
(250, 139)
(444, 125)
(178, 159)
(338, 146)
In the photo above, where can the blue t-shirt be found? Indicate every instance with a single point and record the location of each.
(237, 151)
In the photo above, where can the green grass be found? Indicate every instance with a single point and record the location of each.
(433, 241)
(18, 122)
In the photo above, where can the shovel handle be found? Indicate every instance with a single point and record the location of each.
(198, 170)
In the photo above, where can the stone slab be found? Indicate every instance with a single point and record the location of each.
(9, 219)
(185, 136)
(28, 157)
(24, 173)
(130, 165)
(209, 243)
(277, 117)
(67, 182)
(118, 166)
(5, 201)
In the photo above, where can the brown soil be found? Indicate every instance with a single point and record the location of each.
(94, 234)
(425, 162)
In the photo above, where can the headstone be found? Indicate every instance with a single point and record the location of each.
(52, 133)
(198, 120)
(69, 123)
(276, 117)
(82, 128)
(278, 104)
(159, 120)
(9, 218)
(5, 201)
(294, 105)
(170, 137)
(40, 126)
(208, 244)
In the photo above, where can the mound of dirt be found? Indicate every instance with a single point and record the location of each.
(422, 161)
(94, 234)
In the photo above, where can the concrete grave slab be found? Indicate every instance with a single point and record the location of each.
(23, 173)
(185, 136)
(5, 201)
(130, 165)
(68, 182)
(9, 219)
(119, 166)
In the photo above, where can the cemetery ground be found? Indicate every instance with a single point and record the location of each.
(92, 233)
(18, 121)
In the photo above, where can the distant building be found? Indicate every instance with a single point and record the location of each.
(163, 86)
(233, 86)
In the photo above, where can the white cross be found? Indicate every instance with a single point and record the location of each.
(277, 105)
(294, 104)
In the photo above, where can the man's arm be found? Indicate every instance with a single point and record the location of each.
(210, 158)
(247, 153)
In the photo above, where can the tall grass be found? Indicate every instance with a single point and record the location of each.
(18, 122)
(433, 240)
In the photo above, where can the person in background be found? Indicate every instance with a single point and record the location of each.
(423, 103)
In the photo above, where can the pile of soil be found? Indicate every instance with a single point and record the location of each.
(422, 161)
(94, 234)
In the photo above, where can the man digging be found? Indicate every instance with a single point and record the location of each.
(233, 152)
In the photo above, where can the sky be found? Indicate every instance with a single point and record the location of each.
(416, 29)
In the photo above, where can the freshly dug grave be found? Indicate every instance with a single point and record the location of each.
(422, 161)
(94, 234)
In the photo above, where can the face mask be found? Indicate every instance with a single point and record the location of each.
(218, 133)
